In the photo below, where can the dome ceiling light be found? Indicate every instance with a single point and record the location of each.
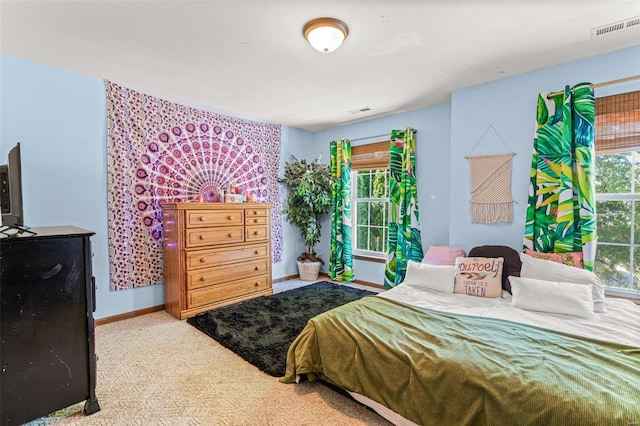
(325, 34)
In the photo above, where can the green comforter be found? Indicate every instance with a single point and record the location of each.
(438, 368)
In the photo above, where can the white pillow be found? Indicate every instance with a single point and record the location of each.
(432, 277)
(547, 270)
(552, 296)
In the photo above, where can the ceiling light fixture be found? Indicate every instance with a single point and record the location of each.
(325, 34)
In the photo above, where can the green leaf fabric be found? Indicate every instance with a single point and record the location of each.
(404, 242)
(340, 257)
(561, 213)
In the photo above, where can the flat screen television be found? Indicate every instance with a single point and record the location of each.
(11, 189)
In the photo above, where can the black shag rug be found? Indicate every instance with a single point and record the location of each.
(260, 330)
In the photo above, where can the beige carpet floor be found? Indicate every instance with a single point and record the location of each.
(157, 370)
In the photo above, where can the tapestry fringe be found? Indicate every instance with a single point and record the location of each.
(491, 212)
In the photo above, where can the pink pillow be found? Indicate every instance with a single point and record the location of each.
(571, 259)
(442, 255)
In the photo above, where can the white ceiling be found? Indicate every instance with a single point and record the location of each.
(249, 59)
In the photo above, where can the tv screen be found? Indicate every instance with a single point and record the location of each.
(11, 189)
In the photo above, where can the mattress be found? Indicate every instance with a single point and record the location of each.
(620, 324)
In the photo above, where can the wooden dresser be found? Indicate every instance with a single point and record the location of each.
(215, 254)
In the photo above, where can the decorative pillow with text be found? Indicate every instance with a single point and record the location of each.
(511, 265)
(479, 276)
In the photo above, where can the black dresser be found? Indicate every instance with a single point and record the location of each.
(47, 348)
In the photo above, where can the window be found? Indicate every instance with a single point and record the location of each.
(371, 207)
(617, 124)
(370, 203)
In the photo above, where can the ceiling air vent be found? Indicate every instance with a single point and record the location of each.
(627, 24)
(359, 110)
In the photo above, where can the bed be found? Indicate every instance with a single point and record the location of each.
(419, 356)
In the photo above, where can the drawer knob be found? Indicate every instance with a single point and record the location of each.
(203, 259)
(230, 235)
(203, 278)
(201, 218)
(255, 232)
(202, 237)
(257, 251)
(257, 268)
(256, 284)
(229, 218)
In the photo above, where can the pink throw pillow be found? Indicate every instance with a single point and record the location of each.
(570, 259)
(442, 255)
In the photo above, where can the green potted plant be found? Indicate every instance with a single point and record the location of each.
(309, 185)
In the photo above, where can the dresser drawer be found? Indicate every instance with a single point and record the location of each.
(219, 256)
(256, 233)
(256, 216)
(256, 213)
(217, 293)
(256, 220)
(225, 273)
(202, 218)
(209, 236)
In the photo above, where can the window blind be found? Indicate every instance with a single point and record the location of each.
(617, 123)
(370, 156)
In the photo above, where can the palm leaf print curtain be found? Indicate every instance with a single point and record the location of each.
(340, 257)
(561, 213)
(405, 242)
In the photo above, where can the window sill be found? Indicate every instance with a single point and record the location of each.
(370, 258)
(622, 294)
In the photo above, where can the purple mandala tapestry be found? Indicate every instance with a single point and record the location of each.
(159, 151)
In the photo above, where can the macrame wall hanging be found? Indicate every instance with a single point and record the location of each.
(491, 200)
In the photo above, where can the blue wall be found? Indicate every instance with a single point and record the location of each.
(509, 105)
(60, 119)
(432, 160)
(505, 110)
(298, 143)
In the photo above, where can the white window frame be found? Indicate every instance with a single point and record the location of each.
(616, 118)
(354, 214)
(632, 197)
